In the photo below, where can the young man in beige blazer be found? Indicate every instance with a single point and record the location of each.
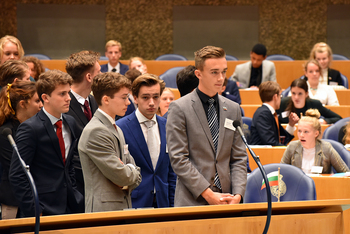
(210, 162)
(110, 173)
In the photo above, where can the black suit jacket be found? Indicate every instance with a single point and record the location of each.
(7, 196)
(38, 145)
(77, 113)
(264, 131)
(334, 76)
(123, 68)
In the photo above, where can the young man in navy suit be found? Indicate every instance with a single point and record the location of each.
(144, 133)
(113, 53)
(46, 142)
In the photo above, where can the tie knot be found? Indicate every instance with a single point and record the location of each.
(86, 103)
(114, 70)
(211, 101)
(149, 123)
(58, 124)
(275, 114)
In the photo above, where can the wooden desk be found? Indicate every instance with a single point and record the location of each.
(320, 216)
(343, 111)
(267, 155)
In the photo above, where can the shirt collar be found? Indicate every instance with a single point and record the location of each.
(79, 98)
(52, 118)
(116, 67)
(204, 98)
(141, 118)
(270, 108)
(107, 116)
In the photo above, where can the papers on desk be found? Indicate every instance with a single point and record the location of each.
(343, 174)
(260, 146)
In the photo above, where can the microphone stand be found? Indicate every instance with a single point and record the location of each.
(268, 190)
(32, 185)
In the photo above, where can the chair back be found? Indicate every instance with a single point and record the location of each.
(279, 57)
(342, 151)
(169, 77)
(332, 132)
(171, 57)
(345, 81)
(294, 185)
(231, 58)
(339, 57)
(247, 123)
(39, 56)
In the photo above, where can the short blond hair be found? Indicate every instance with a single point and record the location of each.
(113, 43)
(205, 53)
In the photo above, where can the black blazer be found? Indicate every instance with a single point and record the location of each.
(38, 145)
(334, 76)
(328, 115)
(7, 196)
(264, 131)
(77, 113)
(123, 68)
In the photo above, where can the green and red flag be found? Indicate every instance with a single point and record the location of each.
(272, 177)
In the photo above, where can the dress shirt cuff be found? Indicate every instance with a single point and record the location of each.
(290, 129)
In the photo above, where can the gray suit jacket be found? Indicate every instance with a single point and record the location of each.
(104, 163)
(192, 152)
(242, 73)
(326, 156)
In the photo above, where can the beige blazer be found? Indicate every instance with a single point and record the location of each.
(192, 152)
(242, 73)
(104, 163)
(326, 156)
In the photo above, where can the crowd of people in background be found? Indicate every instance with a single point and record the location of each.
(111, 137)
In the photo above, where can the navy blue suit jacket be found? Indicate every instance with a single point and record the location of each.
(264, 131)
(232, 92)
(131, 109)
(123, 68)
(162, 178)
(38, 145)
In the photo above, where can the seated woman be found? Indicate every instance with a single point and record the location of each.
(322, 92)
(344, 134)
(309, 151)
(323, 54)
(165, 99)
(36, 67)
(138, 63)
(300, 102)
(10, 49)
(18, 102)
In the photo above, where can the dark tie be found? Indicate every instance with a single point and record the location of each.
(114, 70)
(278, 126)
(214, 130)
(58, 125)
(87, 110)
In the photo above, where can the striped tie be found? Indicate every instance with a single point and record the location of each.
(214, 130)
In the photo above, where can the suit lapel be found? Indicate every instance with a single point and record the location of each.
(223, 116)
(161, 126)
(136, 131)
(318, 154)
(202, 117)
(76, 108)
(73, 137)
(93, 104)
(299, 154)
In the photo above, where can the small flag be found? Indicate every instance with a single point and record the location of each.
(272, 177)
(225, 108)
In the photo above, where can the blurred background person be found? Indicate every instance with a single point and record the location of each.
(35, 65)
(165, 99)
(13, 70)
(344, 134)
(309, 151)
(10, 49)
(138, 63)
(18, 102)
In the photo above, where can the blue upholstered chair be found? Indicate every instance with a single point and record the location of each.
(332, 131)
(339, 57)
(171, 57)
(231, 58)
(103, 58)
(342, 151)
(295, 185)
(279, 57)
(39, 56)
(169, 77)
(247, 123)
(345, 81)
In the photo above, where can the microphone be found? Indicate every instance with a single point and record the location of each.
(237, 125)
(8, 133)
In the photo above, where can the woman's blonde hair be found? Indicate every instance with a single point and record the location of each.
(321, 47)
(312, 116)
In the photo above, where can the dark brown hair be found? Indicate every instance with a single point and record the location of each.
(146, 80)
(38, 66)
(300, 83)
(268, 89)
(205, 53)
(12, 69)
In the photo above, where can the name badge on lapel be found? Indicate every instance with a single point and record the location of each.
(229, 124)
(126, 149)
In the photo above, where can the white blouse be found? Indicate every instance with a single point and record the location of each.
(308, 160)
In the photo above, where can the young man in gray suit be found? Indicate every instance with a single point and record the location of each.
(110, 173)
(251, 74)
(205, 151)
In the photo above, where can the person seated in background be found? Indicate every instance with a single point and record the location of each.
(131, 74)
(10, 49)
(309, 151)
(251, 74)
(113, 53)
(265, 128)
(230, 91)
(323, 54)
(322, 92)
(110, 173)
(18, 102)
(344, 134)
(13, 70)
(165, 99)
(186, 80)
(138, 63)
(300, 102)
(36, 67)
(144, 133)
